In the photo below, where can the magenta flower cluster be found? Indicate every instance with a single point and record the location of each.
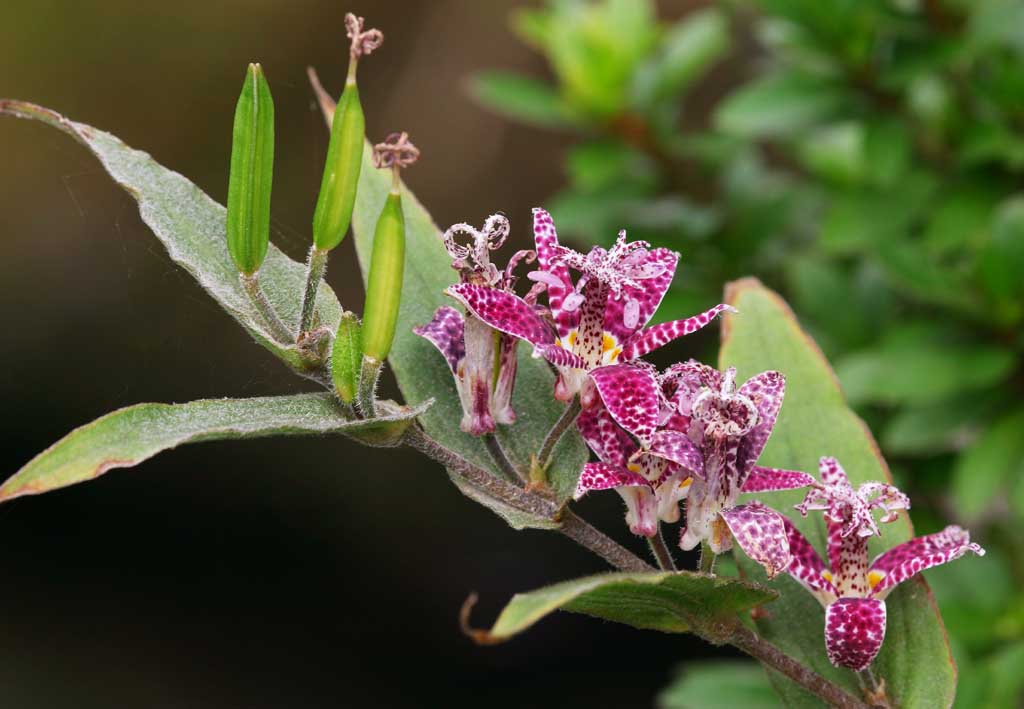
(689, 433)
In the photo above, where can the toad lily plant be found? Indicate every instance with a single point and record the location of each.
(689, 434)
(852, 590)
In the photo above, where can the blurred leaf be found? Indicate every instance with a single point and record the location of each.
(835, 152)
(988, 467)
(996, 23)
(887, 151)
(780, 104)
(192, 228)
(1006, 681)
(423, 374)
(533, 26)
(600, 164)
(935, 428)
(862, 219)
(520, 97)
(960, 220)
(676, 602)
(972, 602)
(919, 275)
(1001, 264)
(719, 684)
(687, 51)
(989, 142)
(814, 421)
(905, 368)
(127, 437)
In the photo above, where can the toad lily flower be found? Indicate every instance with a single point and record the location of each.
(853, 591)
(482, 360)
(596, 322)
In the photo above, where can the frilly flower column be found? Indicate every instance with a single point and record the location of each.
(853, 591)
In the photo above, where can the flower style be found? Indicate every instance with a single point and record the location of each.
(596, 324)
(482, 360)
(704, 451)
(853, 591)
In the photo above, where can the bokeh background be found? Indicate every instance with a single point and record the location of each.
(864, 158)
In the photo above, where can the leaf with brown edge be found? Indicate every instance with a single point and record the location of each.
(128, 436)
(815, 420)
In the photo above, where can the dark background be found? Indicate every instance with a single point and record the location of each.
(282, 572)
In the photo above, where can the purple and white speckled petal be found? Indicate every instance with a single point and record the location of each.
(657, 336)
(807, 567)
(903, 561)
(559, 356)
(504, 311)
(766, 391)
(625, 315)
(761, 533)
(678, 448)
(602, 476)
(446, 332)
(854, 631)
(632, 397)
(546, 240)
(605, 437)
(763, 479)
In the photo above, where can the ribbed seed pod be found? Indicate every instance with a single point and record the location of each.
(384, 285)
(341, 170)
(347, 357)
(252, 168)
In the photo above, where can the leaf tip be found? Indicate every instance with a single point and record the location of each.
(477, 635)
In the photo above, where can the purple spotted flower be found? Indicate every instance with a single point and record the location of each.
(595, 326)
(852, 590)
(704, 450)
(482, 360)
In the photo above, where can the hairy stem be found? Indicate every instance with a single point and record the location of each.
(366, 398)
(564, 422)
(661, 552)
(873, 689)
(707, 559)
(501, 459)
(769, 655)
(317, 265)
(534, 504)
(251, 285)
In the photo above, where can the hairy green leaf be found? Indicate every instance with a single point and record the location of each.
(915, 660)
(192, 228)
(670, 602)
(126, 437)
(719, 684)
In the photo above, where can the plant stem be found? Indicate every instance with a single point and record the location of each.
(251, 285)
(537, 505)
(564, 422)
(707, 559)
(769, 655)
(317, 265)
(501, 459)
(661, 551)
(873, 689)
(366, 399)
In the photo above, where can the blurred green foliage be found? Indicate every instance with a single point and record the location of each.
(866, 157)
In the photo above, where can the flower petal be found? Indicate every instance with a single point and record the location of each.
(546, 239)
(807, 567)
(646, 300)
(854, 631)
(602, 476)
(761, 533)
(605, 437)
(559, 356)
(831, 471)
(652, 338)
(504, 311)
(641, 510)
(678, 448)
(904, 560)
(763, 479)
(505, 385)
(766, 391)
(446, 333)
(631, 396)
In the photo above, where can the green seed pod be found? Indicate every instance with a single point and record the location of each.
(341, 171)
(347, 357)
(252, 168)
(384, 285)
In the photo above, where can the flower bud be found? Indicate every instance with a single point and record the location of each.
(252, 167)
(384, 285)
(341, 171)
(347, 357)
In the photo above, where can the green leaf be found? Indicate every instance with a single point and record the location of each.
(989, 466)
(670, 602)
(719, 684)
(1002, 257)
(781, 104)
(126, 437)
(192, 228)
(521, 97)
(688, 49)
(815, 421)
(423, 374)
(934, 428)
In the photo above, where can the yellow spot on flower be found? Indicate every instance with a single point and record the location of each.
(827, 575)
(610, 349)
(572, 338)
(685, 483)
(875, 577)
(633, 467)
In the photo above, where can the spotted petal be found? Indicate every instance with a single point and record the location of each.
(766, 391)
(807, 567)
(559, 356)
(504, 311)
(678, 448)
(854, 631)
(605, 437)
(446, 333)
(602, 476)
(631, 396)
(657, 336)
(761, 533)
(646, 299)
(763, 479)
(559, 283)
(903, 561)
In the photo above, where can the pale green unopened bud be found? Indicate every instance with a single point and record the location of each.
(252, 168)
(384, 285)
(347, 357)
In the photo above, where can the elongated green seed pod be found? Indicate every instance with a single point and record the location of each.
(252, 169)
(384, 286)
(341, 170)
(347, 357)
